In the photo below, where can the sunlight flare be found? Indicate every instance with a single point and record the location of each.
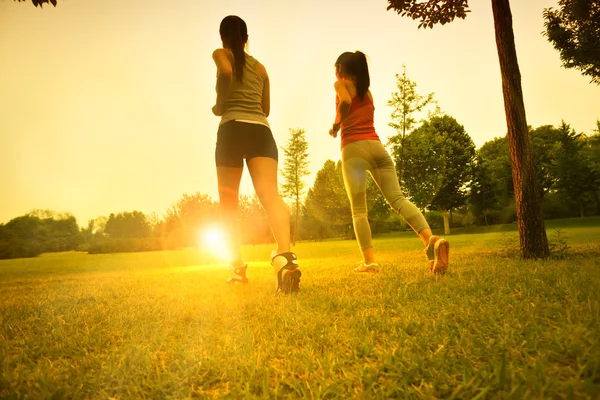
(214, 240)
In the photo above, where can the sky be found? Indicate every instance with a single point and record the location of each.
(105, 105)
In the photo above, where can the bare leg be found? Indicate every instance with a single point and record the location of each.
(229, 185)
(369, 255)
(425, 235)
(263, 171)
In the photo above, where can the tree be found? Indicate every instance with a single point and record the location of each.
(31, 235)
(439, 160)
(42, 213)
(574, 30)
(405, 103)
(185, 218)
(41, 2)
(567, 168)
(62, 233)
(423, 168)
(495, 158)
(127, 225)
(591, 150)
(327, 203)
(20, 237)
(481, 196)
(431, 12)
(573, 171)
(532, 232)
(543, 144)
(294, 170)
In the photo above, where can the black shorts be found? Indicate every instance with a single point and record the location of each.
(238, 140)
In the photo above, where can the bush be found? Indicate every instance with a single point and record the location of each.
(379, 226)
(556, 205)
(435, 219)
(466, 220)
(506, 215)
(19, 248)
(127, 245)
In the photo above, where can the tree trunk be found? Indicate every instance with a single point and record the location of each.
(401, 162)
(296, 221)
(532, 232)
(581, 209)
(446, 222)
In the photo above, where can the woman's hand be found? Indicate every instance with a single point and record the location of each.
(217, 110)
(334, 130)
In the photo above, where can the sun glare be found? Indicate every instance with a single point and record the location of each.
(213, 239)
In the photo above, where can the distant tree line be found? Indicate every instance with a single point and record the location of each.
(567, 169)
(44, 231)
(38, 232)
(454, 184)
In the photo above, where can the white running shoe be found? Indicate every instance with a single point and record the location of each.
(362, 267)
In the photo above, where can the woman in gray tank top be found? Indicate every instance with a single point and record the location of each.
(243, 103)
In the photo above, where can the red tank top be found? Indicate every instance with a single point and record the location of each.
(359, 123)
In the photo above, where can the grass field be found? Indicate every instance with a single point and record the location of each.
(165, 325)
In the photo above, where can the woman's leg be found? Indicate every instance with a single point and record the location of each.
(229, 184)
(263, 171)
(354, 167)
(229, 157)
(384, 172)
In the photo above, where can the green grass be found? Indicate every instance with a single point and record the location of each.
(165, 325)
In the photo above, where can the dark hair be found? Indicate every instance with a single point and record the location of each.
(234, 31)
(356, 64)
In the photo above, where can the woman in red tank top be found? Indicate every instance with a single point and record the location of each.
(362, 153)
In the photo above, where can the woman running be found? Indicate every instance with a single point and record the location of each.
(243, 103)
(363, 152)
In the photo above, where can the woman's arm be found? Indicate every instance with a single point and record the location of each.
(343, 107)
(266, 94)
(222, 60)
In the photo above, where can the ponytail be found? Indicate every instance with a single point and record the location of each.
(233, 29)
(363, 81)
(355, 64)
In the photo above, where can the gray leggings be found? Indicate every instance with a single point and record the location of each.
(364, 156)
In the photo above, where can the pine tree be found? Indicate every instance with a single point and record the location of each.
(295, 168)
(405, 102)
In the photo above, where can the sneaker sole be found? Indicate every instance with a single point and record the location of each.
(234, 281)
(442, 252)
(291, 281)
(240, 278)
(366, 270)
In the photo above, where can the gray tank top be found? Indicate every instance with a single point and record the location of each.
(245, 100)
